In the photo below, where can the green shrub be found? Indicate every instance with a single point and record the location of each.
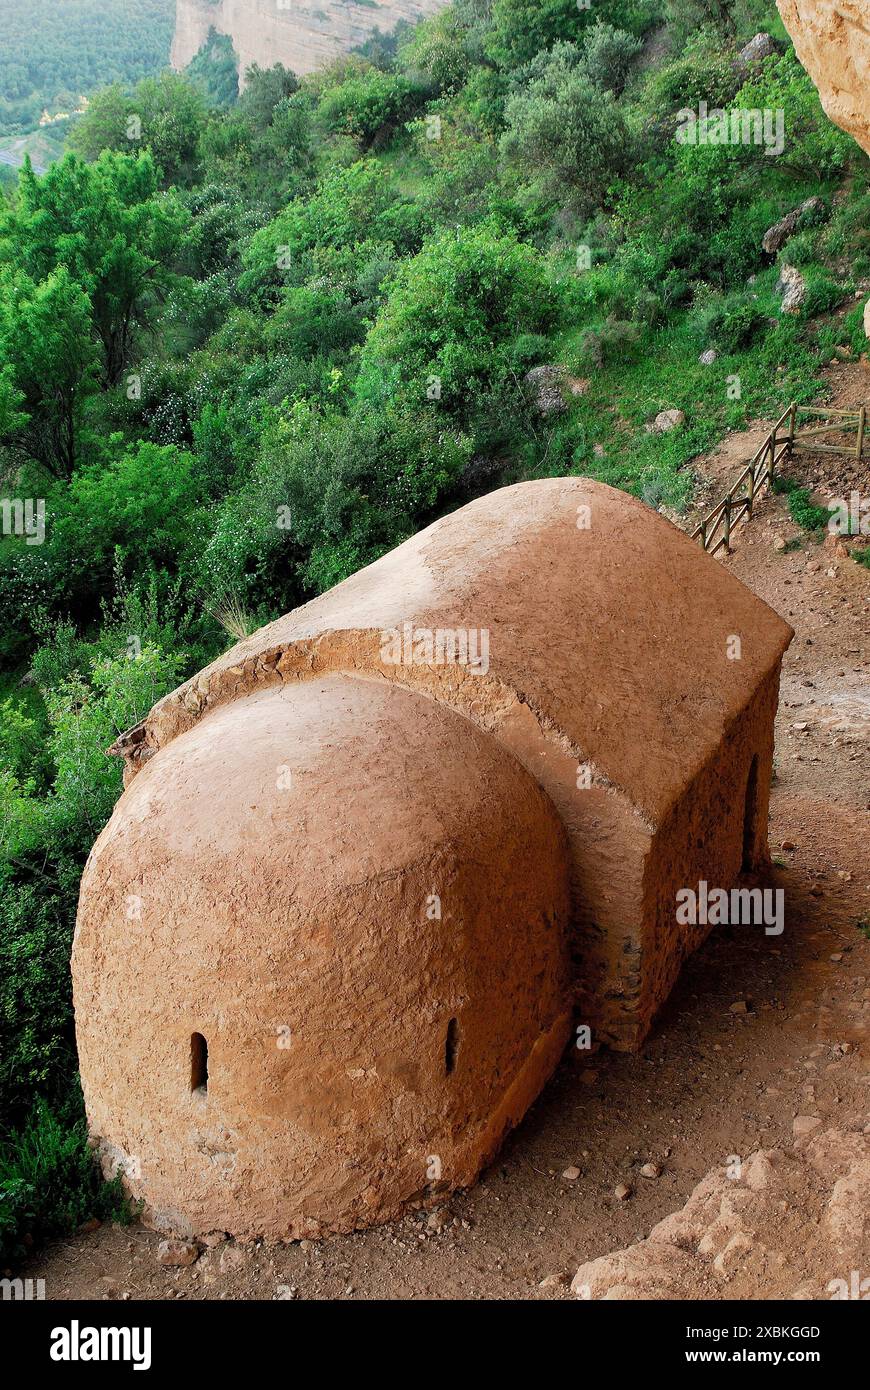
(615, 341)
(734, 324)
(351, 205)
(37, 1055)
(50, 1182)
(450, 317)
(814, 147)
(438, 52)
(528, 350)
(702, 73)
(367, 104)
(344, 489)
(608, 55)
(822, 294)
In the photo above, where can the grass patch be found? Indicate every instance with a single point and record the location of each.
(801, 507)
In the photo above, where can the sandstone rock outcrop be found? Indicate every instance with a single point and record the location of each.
(304, 35)
(832, 40)
(793, 1223)
(532, 717)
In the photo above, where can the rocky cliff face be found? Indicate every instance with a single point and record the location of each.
(832, 40)
(301, 34)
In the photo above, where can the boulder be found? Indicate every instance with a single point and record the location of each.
(641, 1271)
(177, 1252)
(666, 420)
(745, 1225)
(759, 48)
(547, 385)
(793, 288)
(776, 236)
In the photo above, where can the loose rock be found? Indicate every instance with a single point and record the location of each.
(177, 1252)
(547, 384)
(666, 420)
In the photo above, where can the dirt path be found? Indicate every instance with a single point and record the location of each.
(710, 1083)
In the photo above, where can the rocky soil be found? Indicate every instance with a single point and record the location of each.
(740, 1126)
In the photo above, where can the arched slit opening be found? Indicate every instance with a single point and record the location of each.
(198, 1063)
(451, 1046)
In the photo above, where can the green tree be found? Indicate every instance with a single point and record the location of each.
(264, 152)
(140, 511)
(438, 52)
(352, 487)
(608, 54)
(523, 28)
(351, 205)
(47, 344)
(368, 104)
(215, 70)
(107, 226)
(573, 134)
(164, 114)
(451, 315)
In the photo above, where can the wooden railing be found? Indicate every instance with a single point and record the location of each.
(715, 529)
(784, 439)
(848, 420)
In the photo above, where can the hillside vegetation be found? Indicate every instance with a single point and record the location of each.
(53, 52)
(247, 344)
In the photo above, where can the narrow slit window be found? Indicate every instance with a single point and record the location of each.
(750, 818)
(198, 1063)
(451, 1046)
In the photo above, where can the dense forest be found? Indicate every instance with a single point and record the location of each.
(250, 342)
(53, 52)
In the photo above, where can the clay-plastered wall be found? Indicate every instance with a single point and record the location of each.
(832, 40)
(608, 838)
(323, 933)
(304, 35)
(558, 686)
(703, 839)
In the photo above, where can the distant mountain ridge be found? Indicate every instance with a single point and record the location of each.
(302, 34)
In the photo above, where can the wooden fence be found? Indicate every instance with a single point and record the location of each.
(837, 422)
(786, 437)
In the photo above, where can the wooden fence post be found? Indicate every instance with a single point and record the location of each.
(792, 418)
(727, 515)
